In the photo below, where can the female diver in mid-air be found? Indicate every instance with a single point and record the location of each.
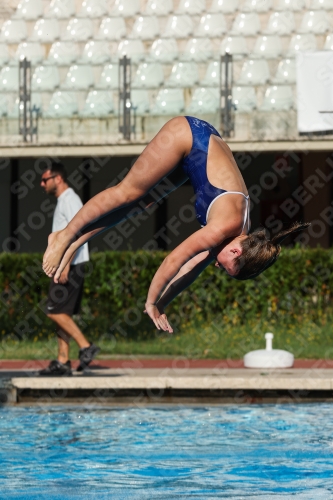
(185, 147)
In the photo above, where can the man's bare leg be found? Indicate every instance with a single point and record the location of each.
(158, 159)
(67, 324)
(63, 347)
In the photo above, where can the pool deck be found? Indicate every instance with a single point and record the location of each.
(135, 379)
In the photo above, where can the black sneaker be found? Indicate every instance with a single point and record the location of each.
(57, 369)
(86, 355)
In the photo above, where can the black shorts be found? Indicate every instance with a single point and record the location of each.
(66, 299)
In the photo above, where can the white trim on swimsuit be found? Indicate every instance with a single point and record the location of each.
(247, 211)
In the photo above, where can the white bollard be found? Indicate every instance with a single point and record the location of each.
(269, 357)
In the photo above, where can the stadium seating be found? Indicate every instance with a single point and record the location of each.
(4, 54)
(32, 51)
(321, 4)
(281, 23)
(257, 5)
(4, 105)
(246, 24)
(61, 9)
(244, 99)
(79, 77)
(45, 78)
(178, 27)
(224, 6)
(63, 53)
(9, 79)
(192, 7)
(315, 21)
(302, 43)
(112, 28)
(278, 98)
(212, 76)
(145, 28)
(29, 10)
(294, 5)
(46, 31)
(96, 52)
(204, 100)
(13, 31)
(267, 46)
(13, 110)
(158, 8)
(328, 43)
(99, 103)
(125, 8)
(140, 102)
(109, 78)
(62, 105)
(134, 49)
(198, 49)
(169, 102)
(149, 75)
(183, 74)
(164, 50)
(93, 8)
(235, 45)
(79, 30)
(286, 71)
(254, 72)
(211, 25)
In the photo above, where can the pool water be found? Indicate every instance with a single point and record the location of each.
(173, 452)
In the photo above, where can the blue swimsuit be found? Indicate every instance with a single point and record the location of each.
(195, 166)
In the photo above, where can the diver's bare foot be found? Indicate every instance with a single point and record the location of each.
(66, 258)
(57, 244)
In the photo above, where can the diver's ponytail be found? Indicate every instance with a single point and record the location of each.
(281, 235)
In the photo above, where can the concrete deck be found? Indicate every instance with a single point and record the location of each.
(166, 380)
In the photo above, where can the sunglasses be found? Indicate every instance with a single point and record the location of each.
(45, 179)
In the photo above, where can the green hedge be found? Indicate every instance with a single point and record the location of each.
(297, 287)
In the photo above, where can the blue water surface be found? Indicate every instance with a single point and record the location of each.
(239, 452)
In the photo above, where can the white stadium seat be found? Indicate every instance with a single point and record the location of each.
(45, 78)
(295, 5)
(321, 4)
(29, 10)
(244, 99)
(164, 50)
(212, 76)
(109, 78)
(169, 102)
(96, 52)
(61, 9)
(5, 103)
(13, 31)
(63, 53)
(192, 7)
(211, 25)
(204, 100)
(36, 101)
(140, 102)
(62, 105)
(267, 46)
(281, 23)
(286, 71)
(148, 75)
(126, 8)
(328, 43)
(112, 28)
(145, 28)
(134, 49)
(246, 24)
(178, 27)
(278, 98)
(93, 8)
(254, 72)
(158, 8)
(315, 21)
(235, 45)
(4, 54)
(183, 74)
(79, 30)
(257, 5)
(32, 51)
(224, 6)
(46, 31)
(9, 79)
(198, 49)
(79, 77)
(302, 43)
(99, 103)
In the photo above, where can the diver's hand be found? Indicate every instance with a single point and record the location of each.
(158, 317)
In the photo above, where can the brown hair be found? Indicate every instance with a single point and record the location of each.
(259, 252)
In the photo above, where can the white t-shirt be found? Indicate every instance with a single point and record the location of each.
(68, 204)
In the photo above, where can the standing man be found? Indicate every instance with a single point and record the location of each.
(64, 298)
